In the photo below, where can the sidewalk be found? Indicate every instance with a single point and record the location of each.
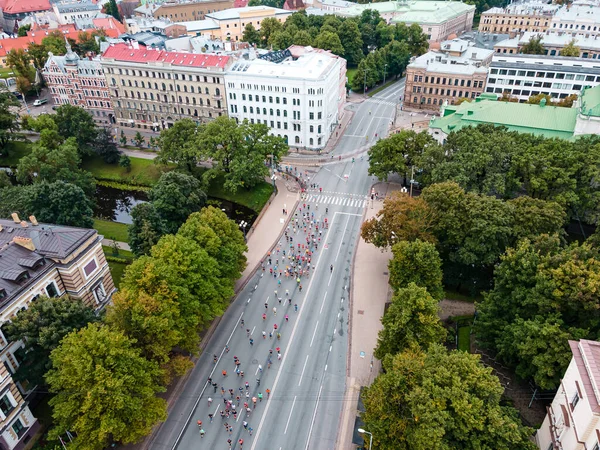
(370, 292)
(121, 245)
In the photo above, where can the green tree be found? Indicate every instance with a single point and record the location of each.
(41, 327)
(268, 27)
(328, 40)
(74, 121)
(174, 197)
(105, 390)
(397, 55)
(366, 74)
(349, 35)
(251, 34)
(20, 62)
(8, 120)
(23, 85)
(536, 99)
(86, 43)
(125, 162)
(440, 399)
(55, 43)
(146, 228)
(38, 55)
(398, 152)
(179, 144)
(571, 50)
(59, 203)
(411, 320)
(23, 29)
(534, 46)
(123, 138)
(138, 139)
(105, 147)
(281, 40)
(532, 217)
(384, 34)
(416, 262)
(113, 10)
(302, 37)
(220, 236)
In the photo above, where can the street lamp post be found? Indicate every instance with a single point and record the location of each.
(363, 431)
(384, 72)
(243, 225)
(365, 84)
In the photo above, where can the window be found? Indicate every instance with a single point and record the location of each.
(7, 404)
(89, 268)
(575, 401)
(51, 290)
(19, 428)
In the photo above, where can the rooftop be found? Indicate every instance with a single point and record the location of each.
(142, 55)
(483, 40)
(578, 13)
(470, 60)
(413, 11)
(544, 62)
(24, 6)
(589, 102)
(540, 120)
(200, 25)
(587, 359)
(560, 40)
(248, 11)
(526, 8)
(65, 8)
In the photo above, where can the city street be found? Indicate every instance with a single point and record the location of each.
(307, 384)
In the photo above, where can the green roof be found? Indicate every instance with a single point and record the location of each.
(547, 121)
(590, 101)
(414, 11)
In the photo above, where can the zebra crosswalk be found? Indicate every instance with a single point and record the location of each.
(381, 102)
(327, 200)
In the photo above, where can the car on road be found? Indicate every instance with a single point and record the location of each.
(40, 102)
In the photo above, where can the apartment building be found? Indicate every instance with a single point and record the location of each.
(40, 259)
(583, 18)
(14, 11)
(521, 76)
(573, 419)
(518, 17)
(229, 25)
(299, 93)
(79, 82)
(69, 12)
(180, 11)
(553, 43)
(454, 69)
(151, 89)
(438, 20)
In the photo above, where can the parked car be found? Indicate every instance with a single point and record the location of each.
(40, 101)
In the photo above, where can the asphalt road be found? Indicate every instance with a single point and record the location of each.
(308, 383)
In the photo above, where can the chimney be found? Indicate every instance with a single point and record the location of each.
(24, 242)
(33, 220)
(24, 223)
(15, 217)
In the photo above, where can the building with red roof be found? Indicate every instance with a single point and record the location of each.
(151, 89)
(13, 11)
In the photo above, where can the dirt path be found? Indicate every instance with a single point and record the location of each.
(450, 308)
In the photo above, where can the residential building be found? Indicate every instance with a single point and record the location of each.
(532, 16)
(13, 11)
(577, 18)
(293, 5)
(332, 5)
(482, 39)
(229, 25)
(438, 19)
(40, 259)
(182, 10)
(521, 76)
(454, 69)
(151, 89)
(68, 12)
(573, 419)
(299, 93)
(553, 43)
(540, 120)
(79, 82)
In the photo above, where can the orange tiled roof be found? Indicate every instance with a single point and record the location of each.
(24, 6)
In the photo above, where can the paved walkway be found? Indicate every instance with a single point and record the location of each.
(370, 293)
(121, 245)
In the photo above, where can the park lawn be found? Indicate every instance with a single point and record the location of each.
(143, 171)
(350, 74)
(125, 254)
(7, 72)
(464, 338)
(117, 269)
(111, 230)
(451, 294)
(16, 150)
(254, 199)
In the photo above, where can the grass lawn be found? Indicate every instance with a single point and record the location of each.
(16, 150)
(117, 270)
(464, 338)
(451, 294)
(254, 199)
(126, 254)
(350, 74)
(111, 230)
(7, 72)
(143, 171)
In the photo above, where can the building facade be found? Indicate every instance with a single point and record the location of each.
(553, 43)
(14, 11)
(518, 17)
(151, 89)
(299, 93)
(69, 12)
(522, 76)
(180, 11)
(573, 419)
(456, 70)
(79, 82)
(578, 17)
(41, 260)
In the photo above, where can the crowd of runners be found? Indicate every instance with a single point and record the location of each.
(286, 267)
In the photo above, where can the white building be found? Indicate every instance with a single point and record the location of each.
(67, 12)
(522, 76)
(573, 419)
(577, 18)
(299, 93)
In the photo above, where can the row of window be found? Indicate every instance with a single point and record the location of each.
(435, 101)
(537, 84)
(167, 75)
(577, 26)
(231, 85)
(437, 91)
(539, 74)
(163, 86)
(165, 99)
(519, 92)
(448, 81)
(143, 115)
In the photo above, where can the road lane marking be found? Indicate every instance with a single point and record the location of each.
(314, 333)
(280, 369)
(186, 423)
(290, 416)
(253, 331)
(341, 242)
(330, 347)
(312, 422)
(329, 282)
(325, 368)
(303, 368)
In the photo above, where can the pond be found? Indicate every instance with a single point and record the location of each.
(116, 205)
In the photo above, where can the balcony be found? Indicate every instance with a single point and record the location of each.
(217, 97)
